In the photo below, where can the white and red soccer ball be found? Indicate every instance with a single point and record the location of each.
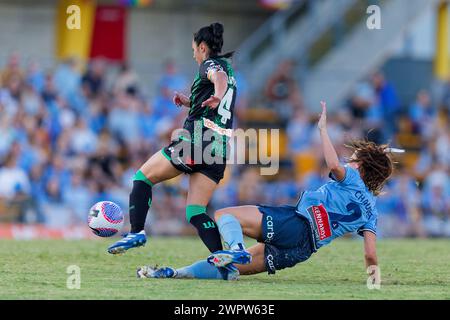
(105, 218)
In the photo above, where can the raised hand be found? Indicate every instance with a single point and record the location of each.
(322, 124)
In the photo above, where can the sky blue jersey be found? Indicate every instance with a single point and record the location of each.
(339, 207)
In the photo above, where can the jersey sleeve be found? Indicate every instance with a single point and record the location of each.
(208, 68)
(370, 225)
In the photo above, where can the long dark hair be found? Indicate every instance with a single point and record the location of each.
(212, 35)
(375, 163)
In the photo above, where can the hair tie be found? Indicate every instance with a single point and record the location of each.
(395, 150)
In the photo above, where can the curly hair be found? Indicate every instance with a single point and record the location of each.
(375, 163)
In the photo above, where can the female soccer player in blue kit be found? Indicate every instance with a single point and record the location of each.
(288, 235)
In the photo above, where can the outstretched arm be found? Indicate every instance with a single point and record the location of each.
(370, 257)
(370, 252)
(329, 152)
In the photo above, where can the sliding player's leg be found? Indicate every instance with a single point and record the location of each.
(154, 170)
(203, 270)
(249, 219)
(233, 223)
(285, 239)
(286, 236)
(258, 264)
(198, 270)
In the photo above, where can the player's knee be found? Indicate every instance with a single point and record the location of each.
(219, 213)
(155, 179)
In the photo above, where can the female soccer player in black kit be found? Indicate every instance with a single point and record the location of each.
(210, 118)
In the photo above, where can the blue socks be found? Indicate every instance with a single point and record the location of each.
(231, 231)
(199, 270)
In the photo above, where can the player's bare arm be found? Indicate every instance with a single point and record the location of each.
(220, 80)
(329, 152)
(370, 252)
(181, 100)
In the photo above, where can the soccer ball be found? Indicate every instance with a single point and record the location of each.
(105, 218)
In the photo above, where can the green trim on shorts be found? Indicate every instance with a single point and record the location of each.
(194, 210)
(166, 155)
(141, 177)
(185, 139)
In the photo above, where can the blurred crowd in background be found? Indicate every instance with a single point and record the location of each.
(70, 138)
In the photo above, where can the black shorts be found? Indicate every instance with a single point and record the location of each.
(287, 237)
(188, 155)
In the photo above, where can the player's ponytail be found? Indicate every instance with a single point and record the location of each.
(212, 35)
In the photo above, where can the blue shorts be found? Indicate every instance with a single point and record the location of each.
(287, 237)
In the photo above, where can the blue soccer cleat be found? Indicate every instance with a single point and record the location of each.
(155, 272)
(131, 240)
(223, 258)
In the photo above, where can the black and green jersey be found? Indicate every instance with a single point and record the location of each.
(202, 88)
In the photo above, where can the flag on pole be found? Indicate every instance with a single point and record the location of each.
(442, 58)
(135, 3)
(74, 25)
(109, 35)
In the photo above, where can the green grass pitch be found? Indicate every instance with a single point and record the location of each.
(410, 269)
